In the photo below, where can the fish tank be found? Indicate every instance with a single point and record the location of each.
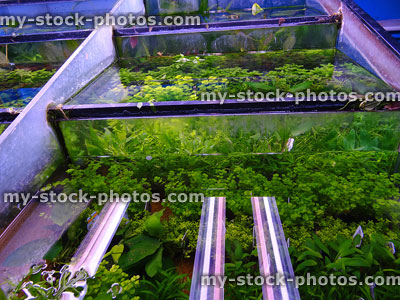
(30, 53)
(201, 160)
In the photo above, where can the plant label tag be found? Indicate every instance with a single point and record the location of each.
(184, 238)
(359, 232)
(92, 219)
(392, 247)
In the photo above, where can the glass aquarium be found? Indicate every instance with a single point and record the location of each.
(225, 10)
(214, 181)
(32, 9)
(25, 68)
(331, 174)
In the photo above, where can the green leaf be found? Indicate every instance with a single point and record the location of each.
(238, 250)
(260, 87)
(54, 251)
(141, 247)
(116, 252)
(256, 9)
(2, 295)
(309, 252)
(356, 240)
(397, 261)
(357, 262)
(230, 265)
(153, 224)
(305, 264)
(347, 252)
(320, 245)
(349, 141)
(155, 263)
(289, 43)
(300, 87)
(366, 141)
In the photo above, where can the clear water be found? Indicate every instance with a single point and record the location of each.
(20, 83)
(175, 78)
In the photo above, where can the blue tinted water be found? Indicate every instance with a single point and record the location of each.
(22, 95)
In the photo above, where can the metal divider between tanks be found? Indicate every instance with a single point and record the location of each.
(30, 151)
(365, 41)
(92, 249)
(28, 147)
(273, 255)
(210, 251)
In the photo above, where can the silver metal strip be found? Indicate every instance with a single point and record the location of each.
(92, 249)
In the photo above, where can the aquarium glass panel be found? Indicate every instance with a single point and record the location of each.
(87, 8)
(221, 10)
(223, 135)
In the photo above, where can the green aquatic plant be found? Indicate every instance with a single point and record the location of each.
(24, 78)
(5, 103)
(239, 264)
(241, 229)
(290, 78)
(342, 256)
(146, 248)
(230, 135)
(167, 284)
(324, 194)
(111, 282)
(187, 79)
(182, 235)
(345, 185)
(12, 81)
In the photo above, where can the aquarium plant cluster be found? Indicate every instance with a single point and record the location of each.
(230, 76)
(323, 198)
(19, 86)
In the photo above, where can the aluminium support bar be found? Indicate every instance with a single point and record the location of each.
(273, 255)
(210, 251)
(92, 249)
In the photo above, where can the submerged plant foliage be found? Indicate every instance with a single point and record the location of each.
(336, 177)
(229, 76)
(24, 78)
(232, 135)
(342, 256)
(187, 79)
(112, 283)
(18, 87)
(319, 195)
